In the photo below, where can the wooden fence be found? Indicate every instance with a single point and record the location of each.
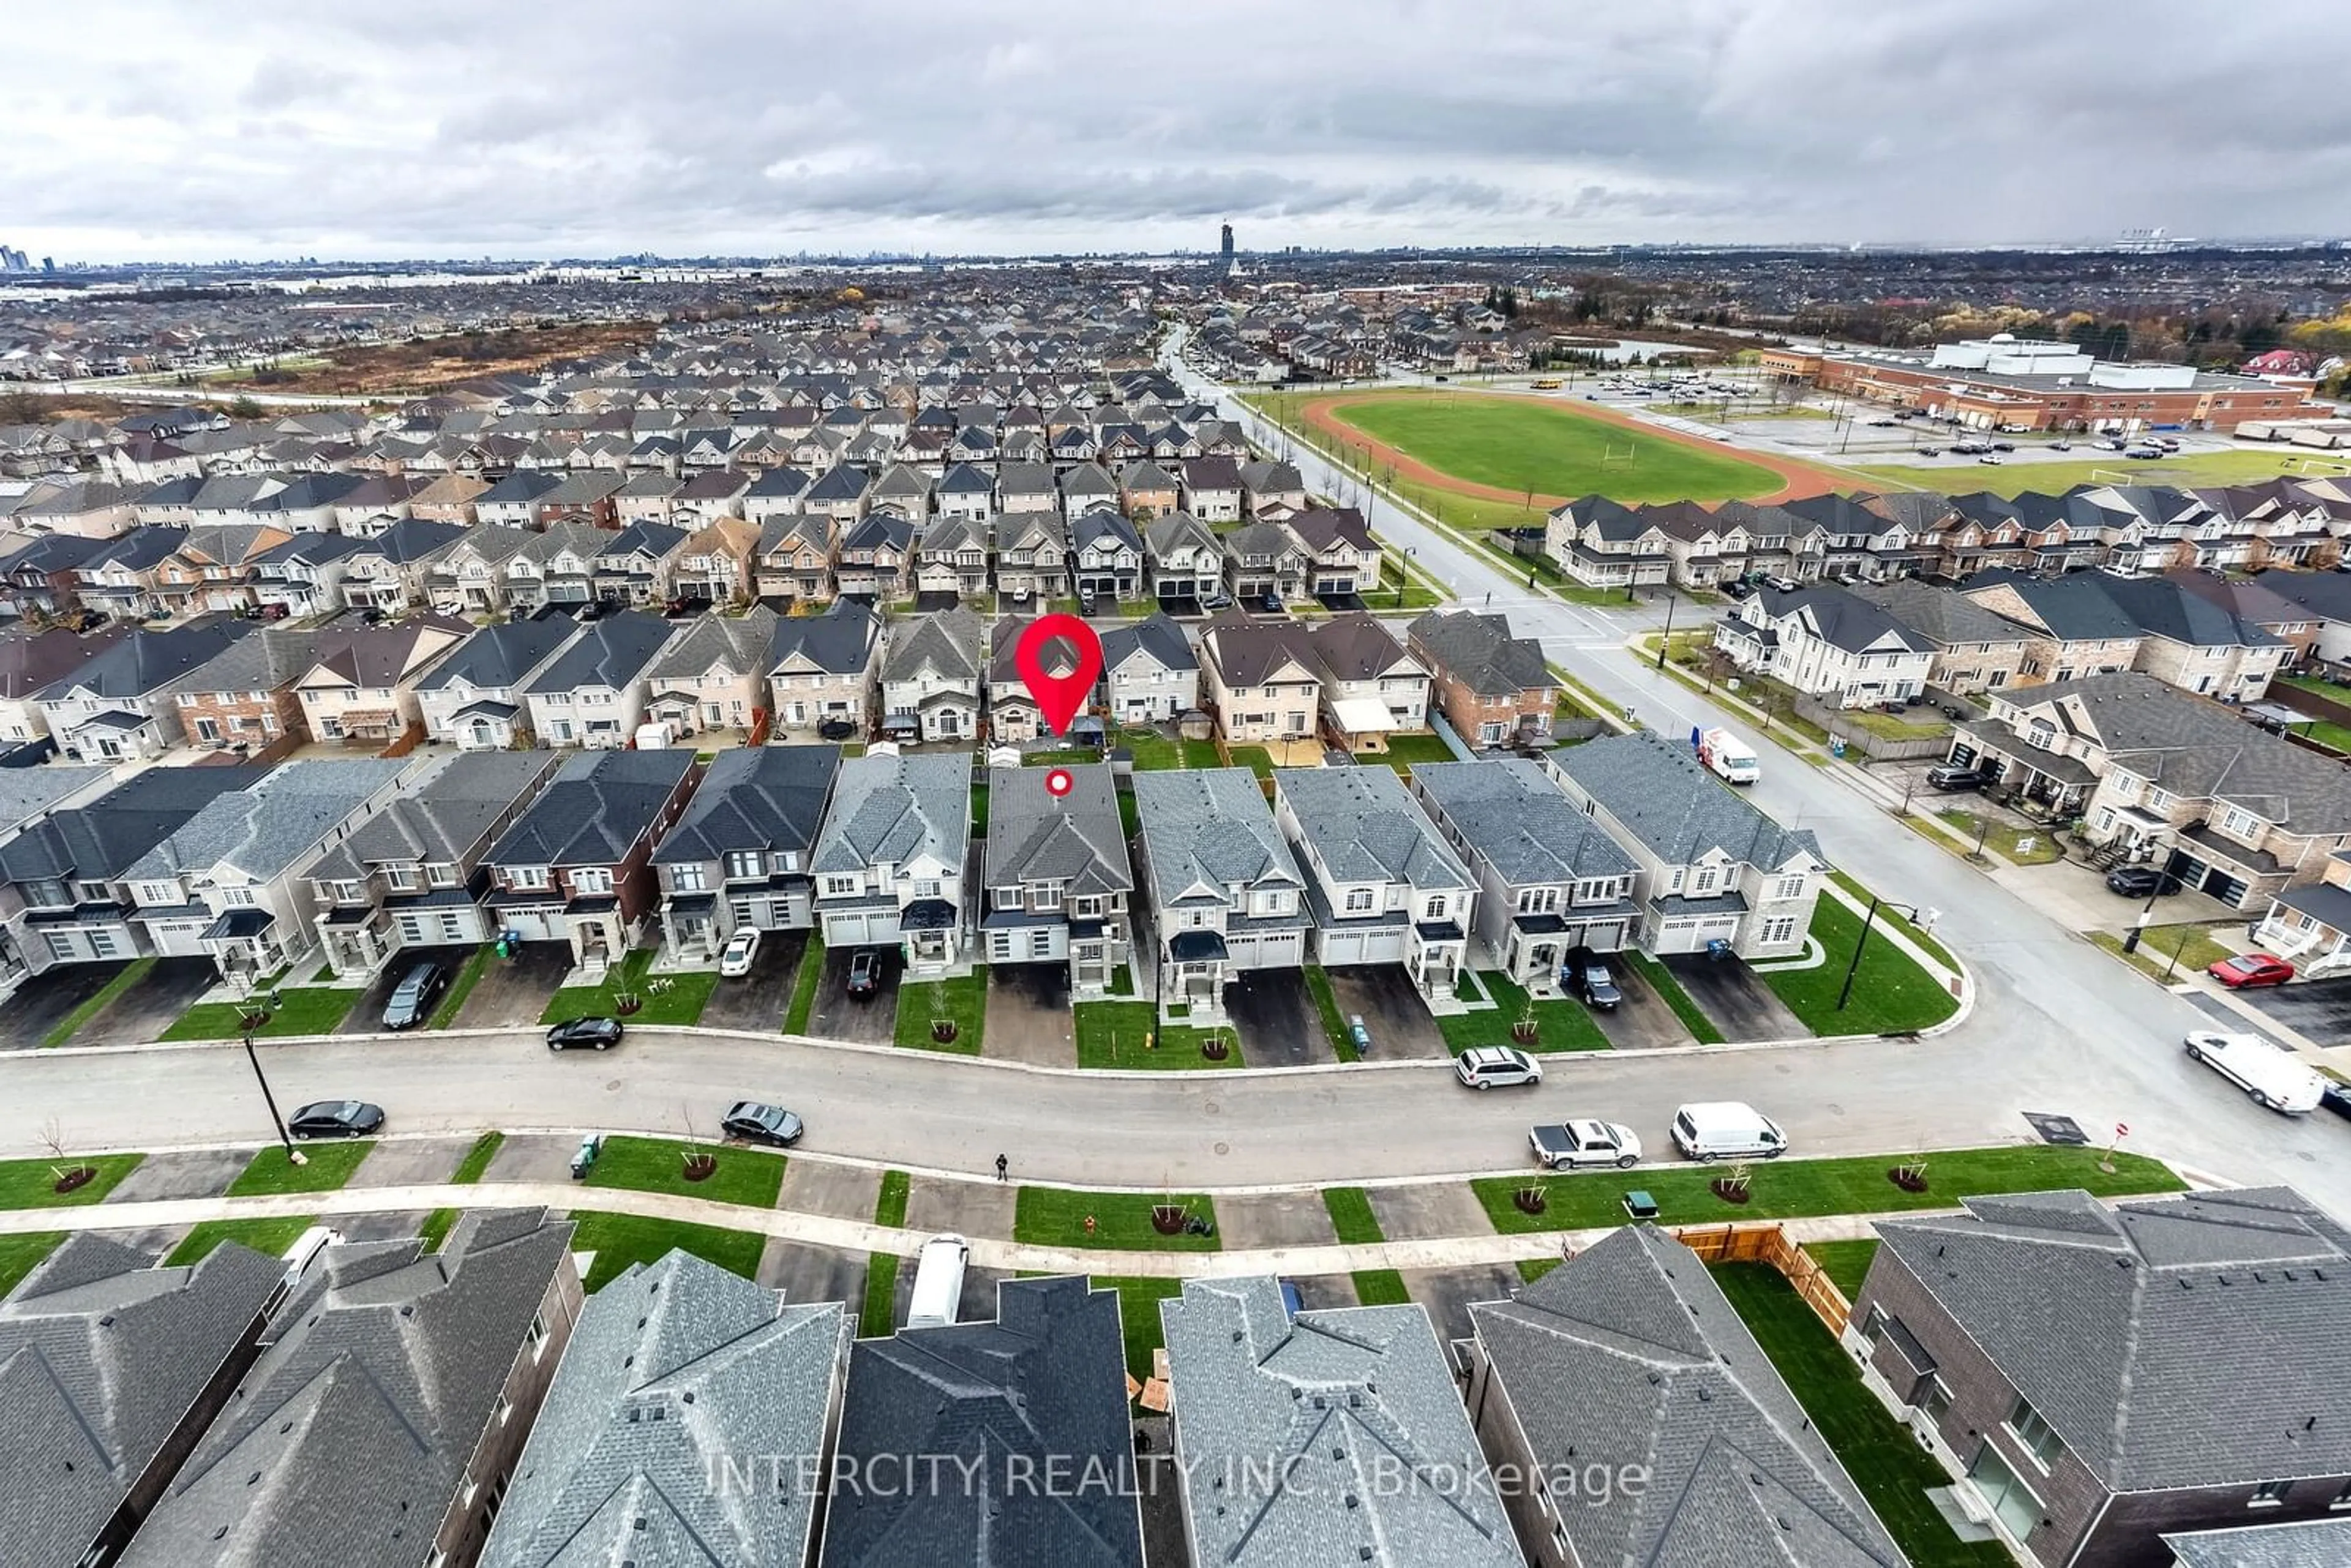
(1770, 1244)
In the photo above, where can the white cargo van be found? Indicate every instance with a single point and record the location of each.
(938, 1283)
(1726, 754)
(655, 735)
(1726, 1129)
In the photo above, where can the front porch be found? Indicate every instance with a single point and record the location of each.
(1193, 973)
(1435, 952)
(357, 940)
(245, 945)
(931, 937)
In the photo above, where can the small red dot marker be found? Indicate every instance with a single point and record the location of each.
(1058, 782)
(1060, 659)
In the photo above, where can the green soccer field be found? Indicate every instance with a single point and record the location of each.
(1554, 449)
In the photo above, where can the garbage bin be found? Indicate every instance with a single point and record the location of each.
(583, 1159)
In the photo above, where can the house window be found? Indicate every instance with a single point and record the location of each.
(1778, 929)
(1048, 897)
(1705, 884)
(927, 887)
(527, 876)
(2244, 824)
(1086, 908)
(440, 875)
(539, 1337)
(841, 886)
(745, 864)
(1935, 1399)
(2011, 1500)
(687, 877)
(238, 897)
(1041, 944)
(2269, 1494)
(2033, 1434)
(1433, 908)
(1788, 887)
(1359, 900)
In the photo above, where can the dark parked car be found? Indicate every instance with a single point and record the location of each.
(865, 972)
(1588, 980)
(410, 1002)
(335, 1119)
(1957, 776)
(598, 1034)
(2138, 881)
(756, 1121)
(2337, 1097)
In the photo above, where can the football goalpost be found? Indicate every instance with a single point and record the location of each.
(2316, 468)
(1615, 456)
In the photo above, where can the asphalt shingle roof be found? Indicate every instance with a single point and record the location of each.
(889, 809)
(260, 830)
(1209, 827)
(1679, 810)
(766, 797)
(1513, 817)
(101, 841)
(1479, 651)
(1077, 841)
(1364, 827)
(599, 804)
(613, 651)
(440, 817)
(499, 657)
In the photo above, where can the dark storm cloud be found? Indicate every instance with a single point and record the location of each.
(144, 127)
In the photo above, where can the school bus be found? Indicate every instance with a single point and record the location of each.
(1549, 384)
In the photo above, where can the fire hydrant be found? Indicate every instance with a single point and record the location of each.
(1089, 1225)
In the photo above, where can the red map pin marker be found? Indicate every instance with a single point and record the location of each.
(1060, 659)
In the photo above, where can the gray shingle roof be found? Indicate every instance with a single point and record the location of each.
(676, 1370)
(2179, 1342)
(261, 830)
(1510, 815)
(743, 641)
(1479, 652)
(1943, 616)
(499, 657)
(101, 841)
(1841, 619)
(766, 797)
(147, 661)
(1335, 1400)
(1045, 1379)
(1212, 827)
(613, 651)
(839, 642)
(1156, 635)
(2310, 1543)
(1364, 827)
(28, 792)
(1658, 790)
(1628, 1356)
(347, 1440)
(441, 816)
(889, 809)
(946, 644)
(1077, 841)
(599, 805)
(102, 1354)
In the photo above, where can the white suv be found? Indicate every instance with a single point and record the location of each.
(1484, 1066)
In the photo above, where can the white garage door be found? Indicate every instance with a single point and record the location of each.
(1385, 945)
(860, 928)
(1690, 934)
(530, 924)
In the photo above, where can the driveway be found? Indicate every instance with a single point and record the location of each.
(1642, 1020)
(533, 1157)
(757, 1000)
(1275, 1017)
(512, 992)
(366, 1016)
(411, 1162)
(1430, 1211)
(1384, 996)
(182, 1173)
(966, 1207)
(2318, 1011)
(142, 1013)
(821, 1187)
(1247, 1221)
(1731, 994)
(809, 1274)
(45, 1000)
(837, 1015)
(1029, 1016)
(1447, 1294)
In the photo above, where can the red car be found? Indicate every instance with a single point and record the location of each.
(2252, 970)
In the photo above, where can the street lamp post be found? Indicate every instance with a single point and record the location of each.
(2139, 927)
(293, 1155)
(1667, 640)
(1867, 921)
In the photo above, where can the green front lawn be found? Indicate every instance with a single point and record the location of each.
(269, 1238)
(1155, 753)
(963, 998)
(1559, 1025)
(1893, 1472)
(1845, 1262)
(621, 1240)
(1900, 922)
(1138, 1317)
(477, 1160)
(1798, 1189)
(1334, 1022)
(97, 1002)
(437, 1227)
(1891, 995)
(1056, 1217)
(890, 1203)
(32, 1184)
(877, 1315)
(324, 1167)
(1380, 1288)
(1661, 980)
(1351, 1216)
(308, 1009)
(469, 975)
(747, 1176)
(2005, 839)
(661, 998)
(2166, 953)
(1129, 1034)
(20, 1255)
(1405, 750)
(804, 984)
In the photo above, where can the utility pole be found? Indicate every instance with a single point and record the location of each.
(1854, 967)
(1667, 640)
(293, 1155)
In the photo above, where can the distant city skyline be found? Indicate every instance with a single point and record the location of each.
(151, 132)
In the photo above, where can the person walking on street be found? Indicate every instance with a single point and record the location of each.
(1002, 1165)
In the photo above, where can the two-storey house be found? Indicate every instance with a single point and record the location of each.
(1059, 886)
(389, 573)
(1150, 674)
(118, 704)
(1827, 642)
(1266, 564)
(877, 557)
(1382, 885)
(1710, 865)
(951, 557)
(931, 673)
(472, 699)
(740, 857)
(1105, 555)
(1212, 489)
(1261, 678)
(244, 698)
(1032, 553)
(715, 563)
(794, 560)
(412, 877)
(1371, 686)
(577, 866)
(888, 861)
(1226, 891)
(1973, 650)
(1550, 878)
(28, 796)
(1602, 543)
(594, 693)
(822, 673)
(363, 686)
(304, 576)
(1342, 559)
(470, 577)
(637, 566)
(2071, 629)
(1493, 688)
(30, 662)
(1183, 559)
(713, 674)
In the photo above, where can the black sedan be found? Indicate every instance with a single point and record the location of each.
(2337, 1097)
(336, 1119)
(601, 1034)
(756, 1121)
(865, 972)
(1954, 776)
(2138, 881)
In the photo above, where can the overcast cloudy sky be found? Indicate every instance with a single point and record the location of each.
(434, 128)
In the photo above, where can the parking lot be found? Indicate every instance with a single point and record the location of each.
(1731, 994)
(1383, 995)
(756, 1001)
(837, 1015)
(1275, 1017)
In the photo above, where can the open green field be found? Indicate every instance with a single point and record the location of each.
(1552, 449)
(2232, 468)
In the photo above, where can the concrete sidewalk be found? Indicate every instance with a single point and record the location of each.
(823, 1230)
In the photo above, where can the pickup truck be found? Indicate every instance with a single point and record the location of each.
(1558, 1145)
